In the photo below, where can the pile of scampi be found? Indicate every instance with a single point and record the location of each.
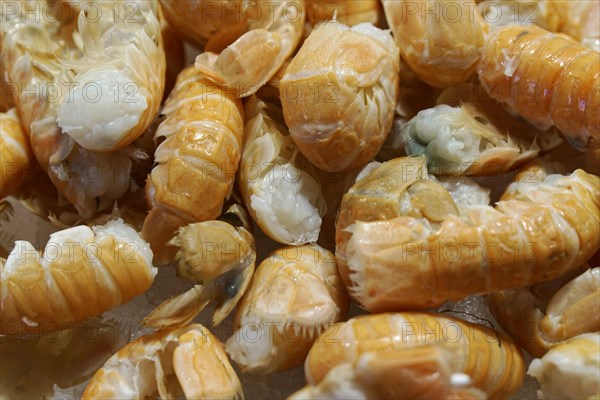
(402, 154)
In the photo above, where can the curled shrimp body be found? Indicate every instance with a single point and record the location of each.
(547, 78)
(339, 92)
(167, 364)
(413, 373)
(468, 139)
(441, 40)
(119, 53)
(197, 161)
(124, 60)
(42, 57)
(128, 12)
(294, 294)
(249, 62)
(82, 273)
(491, 360)
(569, 370)
(282, 195)
(402, 242)
(542, 316)
(41, 197)
(578, 19)
(220, 255)
(16, 157)
(209, 24)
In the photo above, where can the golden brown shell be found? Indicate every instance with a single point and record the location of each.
(491, 359)
(197, 161)
(547, 78)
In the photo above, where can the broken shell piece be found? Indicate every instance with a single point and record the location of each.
(218, 254)
(295, 294)
(168, 363)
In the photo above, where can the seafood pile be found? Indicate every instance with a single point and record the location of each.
(300, 199)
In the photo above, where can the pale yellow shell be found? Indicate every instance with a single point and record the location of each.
(82, 273)
(168, 363)
(490, 359)
(283, 196)
(441, 40)
(394, 374)
(348, 12)
(547, 78)
(197, 161)
(339, 93)
(547, 314)
(54, 62)
(402, 242)
(209, 24)
(254, 58)
(295, 293)
(578, 19)
(16, 157)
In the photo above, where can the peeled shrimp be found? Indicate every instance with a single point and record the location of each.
(82, 273)
(53, 66)
(295, 293)
(418, 344)
(547, 78)
(403, 243)
(119, 54)
(570, 370)
(249, 62)
(339, 93)
(220, 255)
(197, 161)
(414, 373)
(168, 363)
(16, 157)
(545, 315)
(469, 139)
(282, 196)
(126, 11)
(441, 40)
